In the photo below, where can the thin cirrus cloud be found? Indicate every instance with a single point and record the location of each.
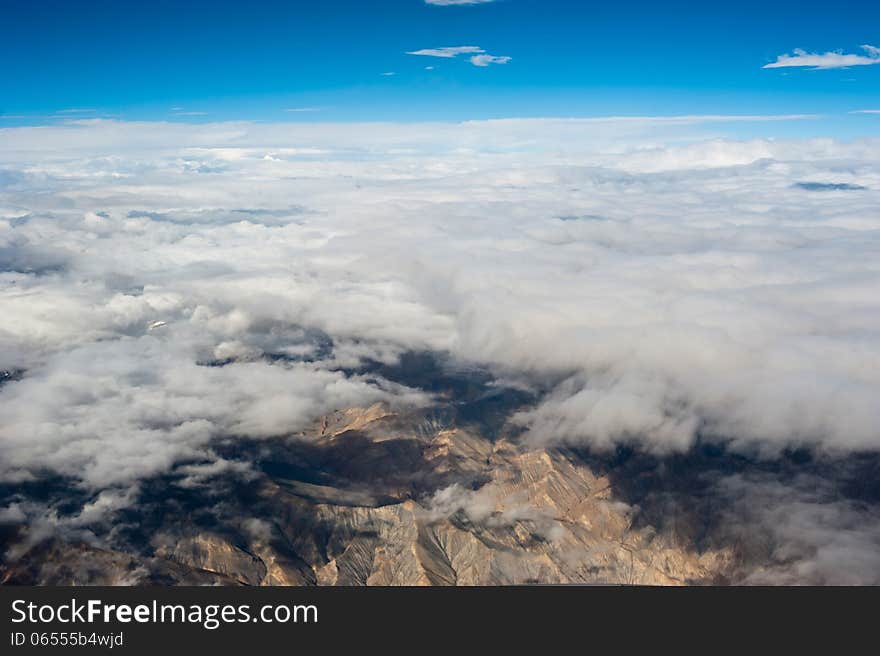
(448, 3)
(479, 57)
(828, 60)
(447, 52)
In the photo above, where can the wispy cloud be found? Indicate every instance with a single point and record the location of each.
(64, 116)
(479, 56)
(388, 74)
(828, 60)
(303, 109)
(447, 3)
(865, 111)
(190, 113)
(447, 52)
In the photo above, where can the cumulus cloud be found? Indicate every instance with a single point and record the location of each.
(486, 60)
(164, 284)
(827, 60)
(114, 412)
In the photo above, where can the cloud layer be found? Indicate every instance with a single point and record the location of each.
(165, 284)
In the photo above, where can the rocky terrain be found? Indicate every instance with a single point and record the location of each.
(450, 492)
(371, 496)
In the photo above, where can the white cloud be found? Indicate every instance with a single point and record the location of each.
(865, 111)
(656, 283)
(303, 109)
(114, 412)
(446, 3)
(827, 60)
(486, 60)
(447, 51)
(479, 56)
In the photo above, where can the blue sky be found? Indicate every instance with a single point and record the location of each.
(220, 60)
